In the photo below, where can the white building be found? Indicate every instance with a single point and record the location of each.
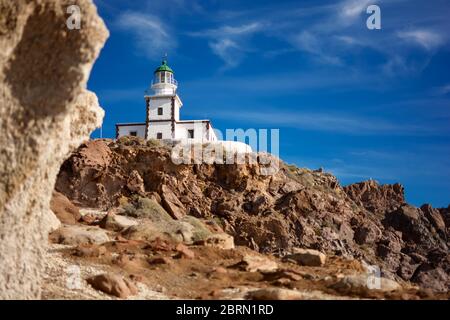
(163, 114)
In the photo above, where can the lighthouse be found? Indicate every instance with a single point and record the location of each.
(163, 113)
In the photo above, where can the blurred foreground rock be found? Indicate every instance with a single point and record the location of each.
(45, 112)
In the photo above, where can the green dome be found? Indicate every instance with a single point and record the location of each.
(164, 67)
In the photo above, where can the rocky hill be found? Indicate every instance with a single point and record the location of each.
(136, 193)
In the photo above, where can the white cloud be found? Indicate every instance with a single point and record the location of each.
(328, 122)
(228, 50)
(230, 43)
(230, 31)
(152, 36)
(310, 43)
(425, 38)
(351, 9)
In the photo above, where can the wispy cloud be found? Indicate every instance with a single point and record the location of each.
(151, 35)
(334, 123)
(286, 82)
(350, 9)
(443, 90)
(229, 31)
(427, 39)
(230, 43)
(228, 50)
(308, 42)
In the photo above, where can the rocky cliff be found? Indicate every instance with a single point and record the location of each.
(274, 214)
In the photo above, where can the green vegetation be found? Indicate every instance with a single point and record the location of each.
(131, 141)
(153, 143)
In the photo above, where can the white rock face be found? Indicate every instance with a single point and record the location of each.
(45, 112)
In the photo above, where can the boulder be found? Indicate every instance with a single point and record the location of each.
(116, 222)
(78, 234)
(368, 233)
(254, 263)
(435, 217)
(171, 203)
(113, 284)
(307, 257)
(135, 183)
(150, 231)
(184, 252)
(45, 113)
(218, 240)
(145, 208)
(275, 294)
(362, 283)
(432, 278)
(64, 209)
(157, 223)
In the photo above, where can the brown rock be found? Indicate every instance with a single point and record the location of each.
(376, 198)
(254, 263)
(160, 260)
(64, 210)
(135, 183)
(184, 251)
(89, 251)
(307, 257)
(435, 217)
(171, 203)
(275, 294)
(218, 240)
(220, 270)
(113, 284)
(367, 234)
(429, 277)
(288, 274)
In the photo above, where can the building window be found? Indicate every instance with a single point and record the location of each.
(160, 111)
(133, 133)
(163, 77)
(191, 134)
(159, 135)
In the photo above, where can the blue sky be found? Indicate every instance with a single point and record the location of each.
(360, 103)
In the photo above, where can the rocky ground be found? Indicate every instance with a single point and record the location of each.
(135, 225)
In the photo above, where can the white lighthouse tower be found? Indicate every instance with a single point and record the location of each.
(163, 114)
